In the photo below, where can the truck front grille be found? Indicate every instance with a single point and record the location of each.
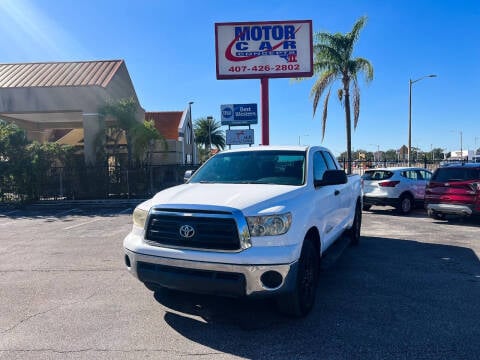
(201, 230)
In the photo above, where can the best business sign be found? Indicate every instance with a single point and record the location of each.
(239, 114)
(251, 50)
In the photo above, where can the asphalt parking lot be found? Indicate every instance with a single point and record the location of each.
(411, 290)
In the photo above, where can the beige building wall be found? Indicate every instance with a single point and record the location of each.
(38, 110)
(171, 154)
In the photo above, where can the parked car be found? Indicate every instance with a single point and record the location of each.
(454, 190)
(402, 188)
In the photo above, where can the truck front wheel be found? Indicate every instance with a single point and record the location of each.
(301, 300)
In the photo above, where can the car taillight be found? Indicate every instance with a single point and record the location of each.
(388, 183)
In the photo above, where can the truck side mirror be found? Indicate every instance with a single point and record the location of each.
(188, 174)
(332, 177)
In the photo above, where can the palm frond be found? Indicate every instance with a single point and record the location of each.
(364, 66)
(325, 113)
(357, 27)
(356, 102)
(324, 53)
(316, 97)
(319, 87)
(325, 66)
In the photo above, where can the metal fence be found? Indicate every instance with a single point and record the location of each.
(360, 166)
(93, 183)
(81, 183)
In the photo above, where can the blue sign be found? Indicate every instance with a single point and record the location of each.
(239, 114)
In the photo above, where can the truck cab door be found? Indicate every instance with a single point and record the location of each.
(327, 203)
(345, 196)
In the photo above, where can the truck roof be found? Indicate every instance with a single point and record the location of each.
(274, 147)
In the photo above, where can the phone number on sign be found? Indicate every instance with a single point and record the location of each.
(264, 68)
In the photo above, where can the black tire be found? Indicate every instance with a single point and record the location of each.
(366, 207)
(153, 287)
(301, 300)
(405, 206)
(354, 231)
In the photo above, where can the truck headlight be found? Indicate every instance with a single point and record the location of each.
(139, 217)
(269, 225)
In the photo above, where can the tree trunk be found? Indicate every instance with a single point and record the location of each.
(346, 90)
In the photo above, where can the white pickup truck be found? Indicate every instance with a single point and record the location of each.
(250, 221)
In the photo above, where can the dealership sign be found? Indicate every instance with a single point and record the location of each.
(239, 114)
(239, 137)
(264, 49)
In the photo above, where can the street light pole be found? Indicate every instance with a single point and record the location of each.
(410, 113)
(190, 109)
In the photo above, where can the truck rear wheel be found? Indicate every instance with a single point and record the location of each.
(152, 287)
(301, 300)
(354, 231)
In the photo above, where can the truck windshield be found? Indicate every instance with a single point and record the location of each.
(254, 167)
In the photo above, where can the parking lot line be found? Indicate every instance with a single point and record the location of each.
(85, 223)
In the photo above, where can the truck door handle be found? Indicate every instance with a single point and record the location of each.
(337, 192)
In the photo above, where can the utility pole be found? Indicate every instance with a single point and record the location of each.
(411, 82)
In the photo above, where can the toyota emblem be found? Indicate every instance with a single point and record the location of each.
(187, 231)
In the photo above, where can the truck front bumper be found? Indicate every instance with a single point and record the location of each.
(211, 278)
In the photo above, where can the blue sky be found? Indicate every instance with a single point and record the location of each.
(169, 50)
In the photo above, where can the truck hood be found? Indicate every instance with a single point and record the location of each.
(254, 197)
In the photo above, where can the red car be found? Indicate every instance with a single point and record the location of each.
(454, 190)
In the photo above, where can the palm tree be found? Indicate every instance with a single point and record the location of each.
(333, 61)
(124, 112)
(144, 137)
(208, 132)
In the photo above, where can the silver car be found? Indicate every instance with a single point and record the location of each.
(402, 188)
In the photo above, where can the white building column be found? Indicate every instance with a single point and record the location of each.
(94, 131)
